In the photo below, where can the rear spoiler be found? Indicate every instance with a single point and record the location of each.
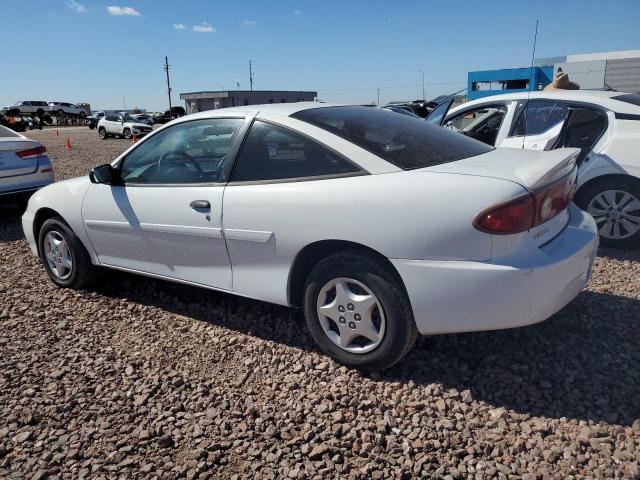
(548, 167)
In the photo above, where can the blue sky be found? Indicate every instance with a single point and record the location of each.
(98, 51)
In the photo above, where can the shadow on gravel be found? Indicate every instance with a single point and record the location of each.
(10, 225)
(583, 363)
(632, 254)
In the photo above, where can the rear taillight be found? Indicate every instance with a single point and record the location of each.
(32, 153)
(529, 210)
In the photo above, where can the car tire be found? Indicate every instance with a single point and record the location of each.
(126, 133)
(65, 259)
(615, 205)
(389, 322)
(102, 133)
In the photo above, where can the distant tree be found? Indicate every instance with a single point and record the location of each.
(136, 110)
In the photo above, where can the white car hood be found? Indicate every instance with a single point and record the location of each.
(135, 124)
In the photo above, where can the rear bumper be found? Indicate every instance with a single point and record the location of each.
(464, 296)
(17, 185)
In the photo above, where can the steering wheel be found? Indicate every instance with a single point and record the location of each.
(179, 158)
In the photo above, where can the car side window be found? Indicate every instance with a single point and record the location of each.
(189, 152)
(481, 123)
(583, 129)
(271, 152)
(538, 117)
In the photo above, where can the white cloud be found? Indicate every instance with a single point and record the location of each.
(249, 23)
(204, 27)
(179, 26)
(120, 11)
(76, 7)
(297, 12)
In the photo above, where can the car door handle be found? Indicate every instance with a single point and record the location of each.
(200, 205)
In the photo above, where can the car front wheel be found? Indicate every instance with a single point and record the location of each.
(126, 133)
(64, 257)
(358, 311)
(615, 206)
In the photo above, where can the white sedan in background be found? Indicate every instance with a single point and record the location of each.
(604, 125)
(378, 226)
(24, 166)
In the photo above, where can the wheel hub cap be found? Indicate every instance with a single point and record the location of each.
(351, 315)
(617, 214)
(58, 255)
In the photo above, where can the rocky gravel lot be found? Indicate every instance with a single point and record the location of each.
(138, 378)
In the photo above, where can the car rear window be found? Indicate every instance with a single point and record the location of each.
(404, 141)
(632, 98)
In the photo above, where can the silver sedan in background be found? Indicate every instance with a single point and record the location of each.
(24, 166)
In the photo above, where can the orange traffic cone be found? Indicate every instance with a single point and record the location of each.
(134, 138)
(67, 144)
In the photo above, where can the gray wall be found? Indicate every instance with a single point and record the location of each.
(589, 75)
(623, 74)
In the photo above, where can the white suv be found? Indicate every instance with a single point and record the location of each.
(63, 108)
(121, 126)
(30, 107)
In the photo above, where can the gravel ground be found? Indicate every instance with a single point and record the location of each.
(141, 378)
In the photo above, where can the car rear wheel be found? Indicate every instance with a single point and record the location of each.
(64, 257)
(126, 133)
(102, 132)
(358, 312)
(615, 206)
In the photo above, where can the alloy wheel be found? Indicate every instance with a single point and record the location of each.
(350, 315)
(616, 212)
(58, 255)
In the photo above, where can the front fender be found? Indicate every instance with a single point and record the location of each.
(64, 199)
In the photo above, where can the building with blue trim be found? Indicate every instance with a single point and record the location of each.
(485, 83)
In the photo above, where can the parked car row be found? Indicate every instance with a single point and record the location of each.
(40, 108)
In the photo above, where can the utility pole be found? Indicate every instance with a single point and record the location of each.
(250, 76)
(423, 97)
(166, 69)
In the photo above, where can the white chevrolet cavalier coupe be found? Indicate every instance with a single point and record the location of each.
(378, 226)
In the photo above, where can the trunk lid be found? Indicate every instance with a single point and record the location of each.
(10, 163)
(529, 168)
(539, 172)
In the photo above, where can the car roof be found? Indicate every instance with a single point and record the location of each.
(599, 97)
(284, 109)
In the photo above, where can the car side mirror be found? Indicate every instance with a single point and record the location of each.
(103, 174)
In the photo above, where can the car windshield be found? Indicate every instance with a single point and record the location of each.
(406, 142)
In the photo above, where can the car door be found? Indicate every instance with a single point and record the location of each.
(537, 126)
(278, 174)
(438, 114)
(165, 215)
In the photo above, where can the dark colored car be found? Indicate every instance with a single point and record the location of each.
(176, 112)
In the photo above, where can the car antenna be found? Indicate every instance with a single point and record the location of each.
(526, 107)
